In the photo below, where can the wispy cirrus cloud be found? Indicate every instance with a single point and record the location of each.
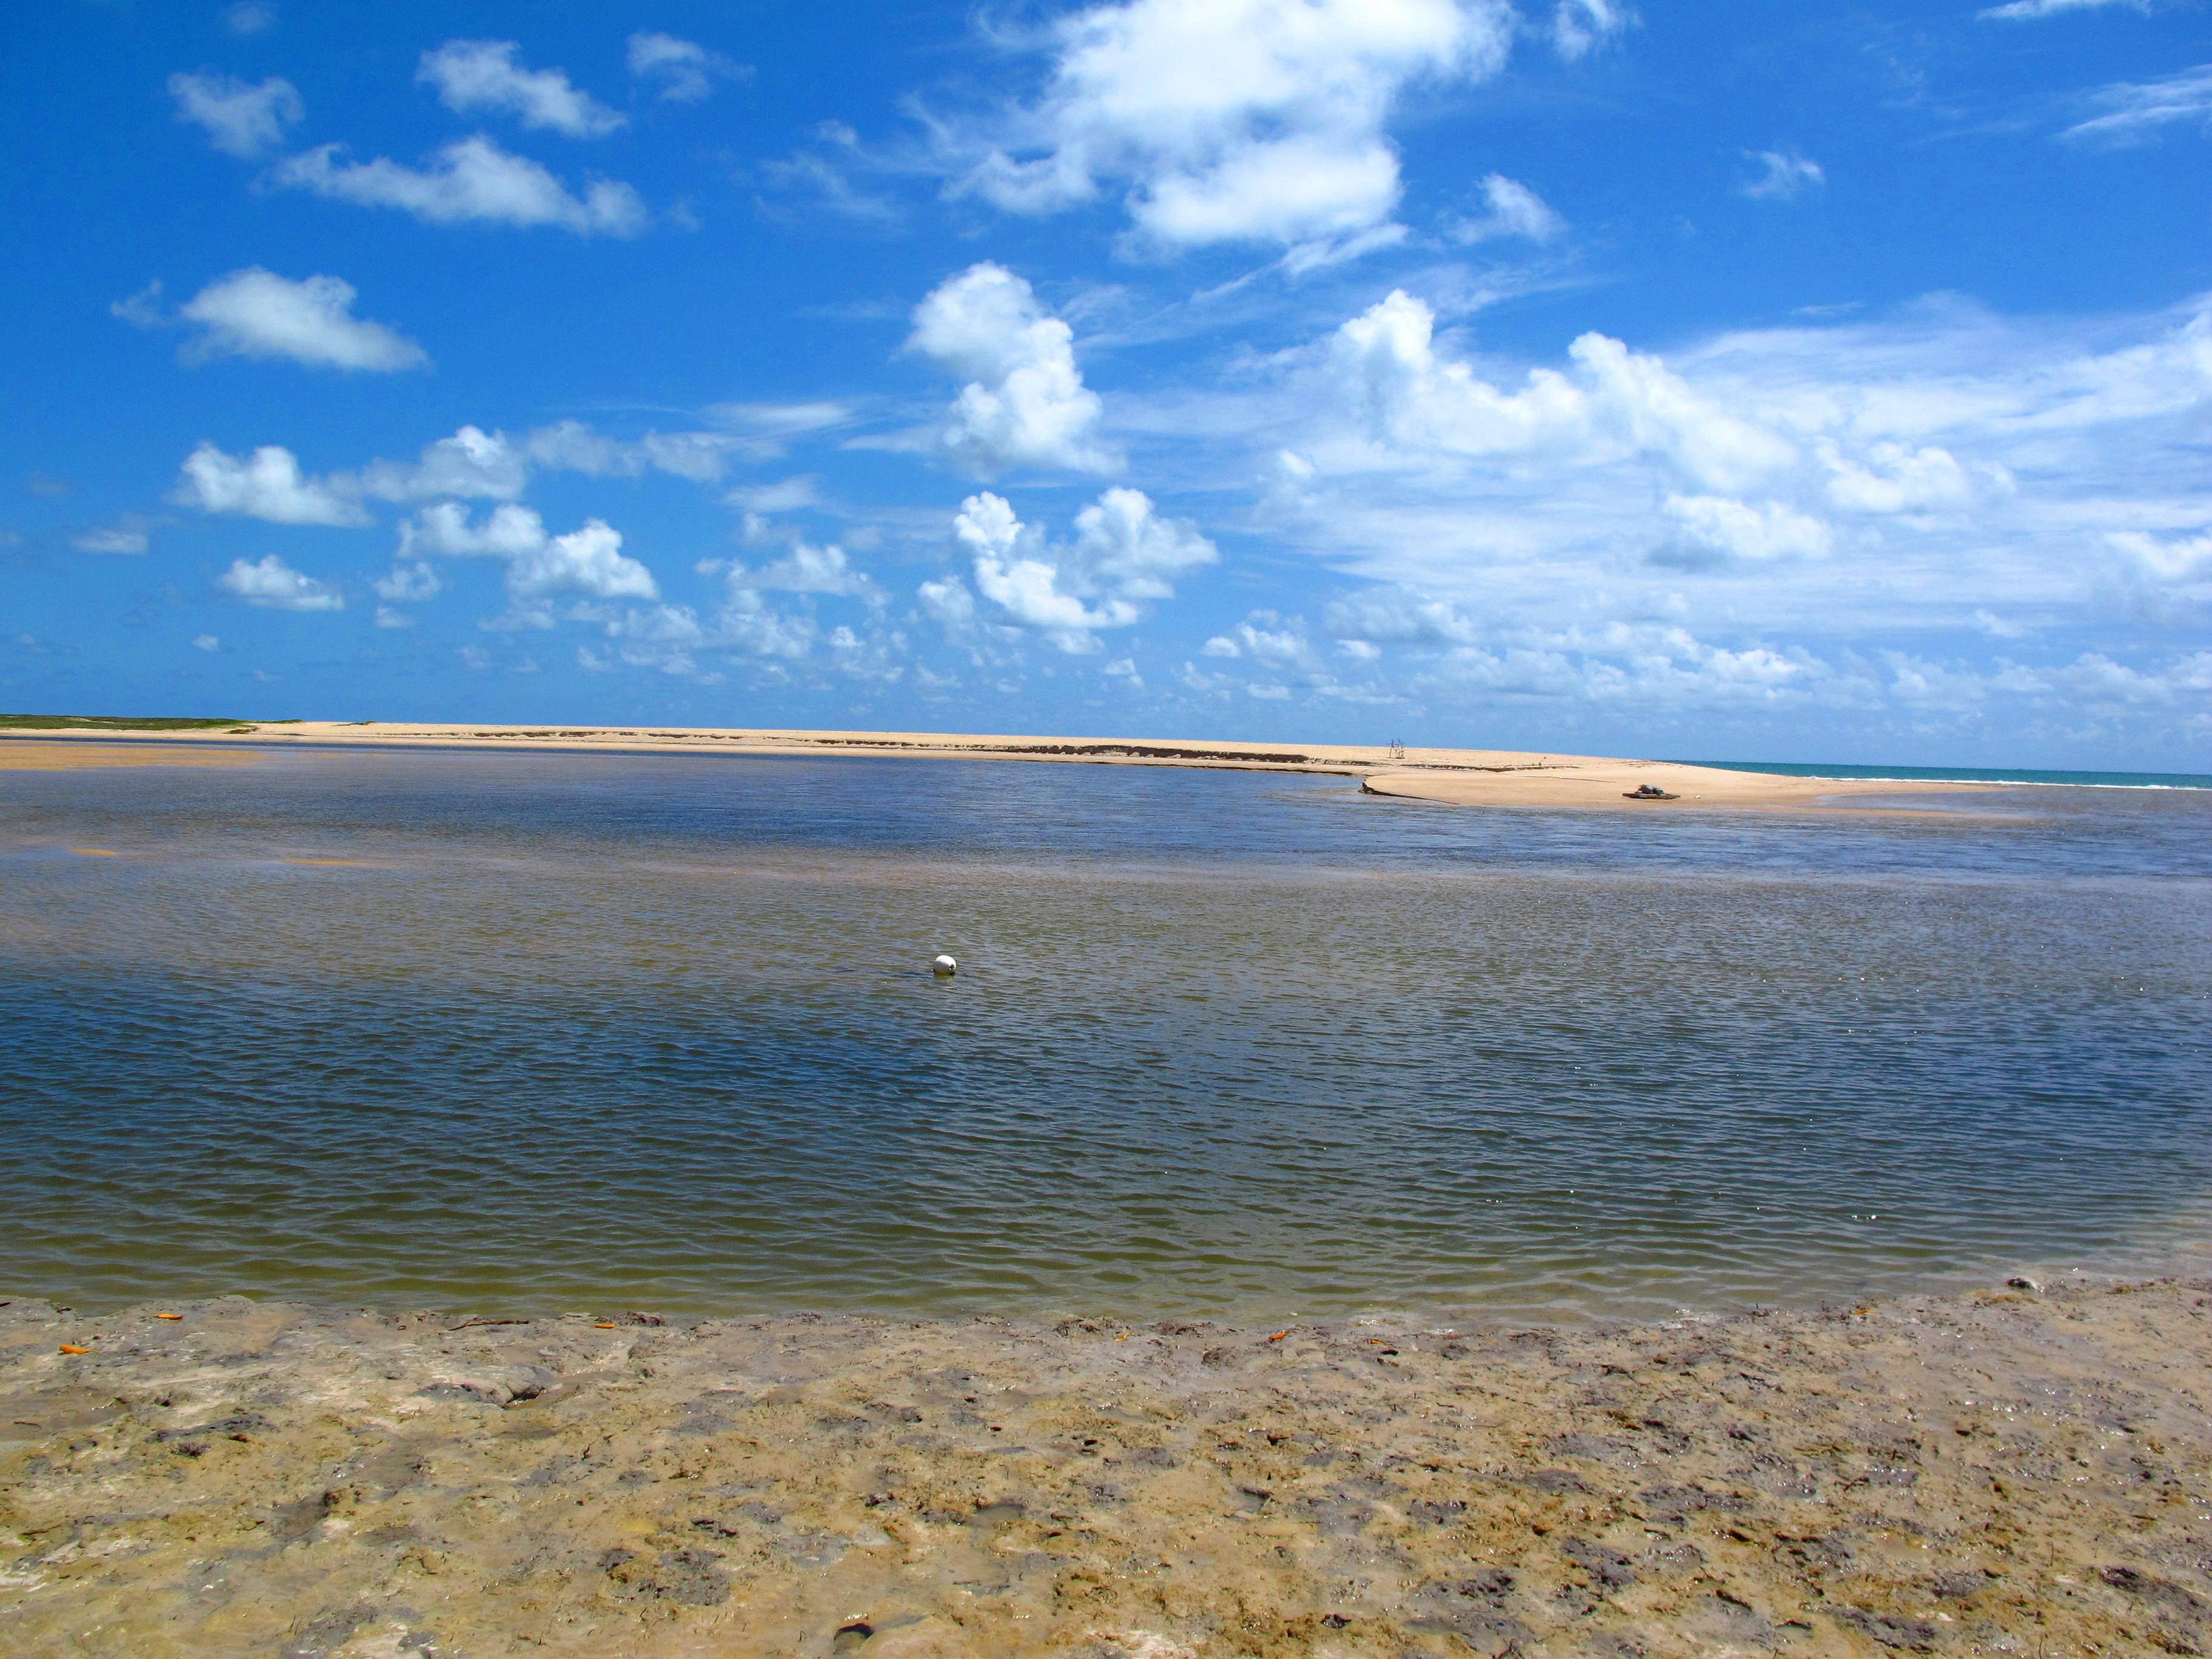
(2131, 111)
(681, 72)
(1781, 175)
(2022, 11)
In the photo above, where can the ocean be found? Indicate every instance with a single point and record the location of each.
(526, 1032)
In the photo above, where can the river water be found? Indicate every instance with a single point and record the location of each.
(526, 1032)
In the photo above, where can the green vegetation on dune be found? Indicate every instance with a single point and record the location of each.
(108, 723)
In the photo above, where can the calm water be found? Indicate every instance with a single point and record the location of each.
(603, 1032)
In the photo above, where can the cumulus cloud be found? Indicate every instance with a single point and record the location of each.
(268, 485)
(1782, 175)
(1399, 616)
(1388, 371)
(2129, 112)
(408, 584)
(249, 17)
(275, 585)
(1024, 403)
(810, 570)
(1511, 209)
(1123, 554)
(256, 313)
(473, 76)
(240, 119)
(1750, 521)
(472, 463)
(588, 562)
(1758, 531)
(1895, 477)
(469, 180)
(1241, 120)
(684, 71)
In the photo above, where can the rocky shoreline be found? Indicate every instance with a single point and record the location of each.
(2012, 1471)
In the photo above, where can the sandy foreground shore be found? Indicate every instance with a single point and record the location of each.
(2013, 1471)
(1477, 777)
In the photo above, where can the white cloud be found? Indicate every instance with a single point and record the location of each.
(784, 496)
(142, 309)
(272, 584)
(1746, 522)
(1512, 209)
(1024, 403)
(508, 531)
(472, 463)
(1392, 380)
(408, 584)
(1122, 546)
(482, 75)
(1237, 120)
(684, 69)
(946, 600)
(1123, 554)
(2023, 11)
(249, 17)
(571, 446)
(267, 484)
(810, 570)
(1782, 175)
(2166, 561)
(1399, 616)
(2131, 111)
(1262, 637)
(1580, 26)
(206, 642)
(240, 119)
(588, 560)
(1741, 530)
(471, 180)
(110, 538)
(256, 313)
(1894, 477)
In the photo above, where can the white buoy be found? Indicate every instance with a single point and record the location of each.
(944, 967)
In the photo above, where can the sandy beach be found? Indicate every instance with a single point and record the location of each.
(2017, 1470)
(1469, 777)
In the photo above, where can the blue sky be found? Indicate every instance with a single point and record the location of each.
(1786, 380)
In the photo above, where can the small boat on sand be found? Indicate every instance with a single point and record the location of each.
(1650, 792)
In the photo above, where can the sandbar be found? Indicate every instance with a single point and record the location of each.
(2014, 1469)
(1472, 777)
(45, 755)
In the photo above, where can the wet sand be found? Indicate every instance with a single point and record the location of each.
(1475, 777)
(2012, 1471)
(45, 754)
